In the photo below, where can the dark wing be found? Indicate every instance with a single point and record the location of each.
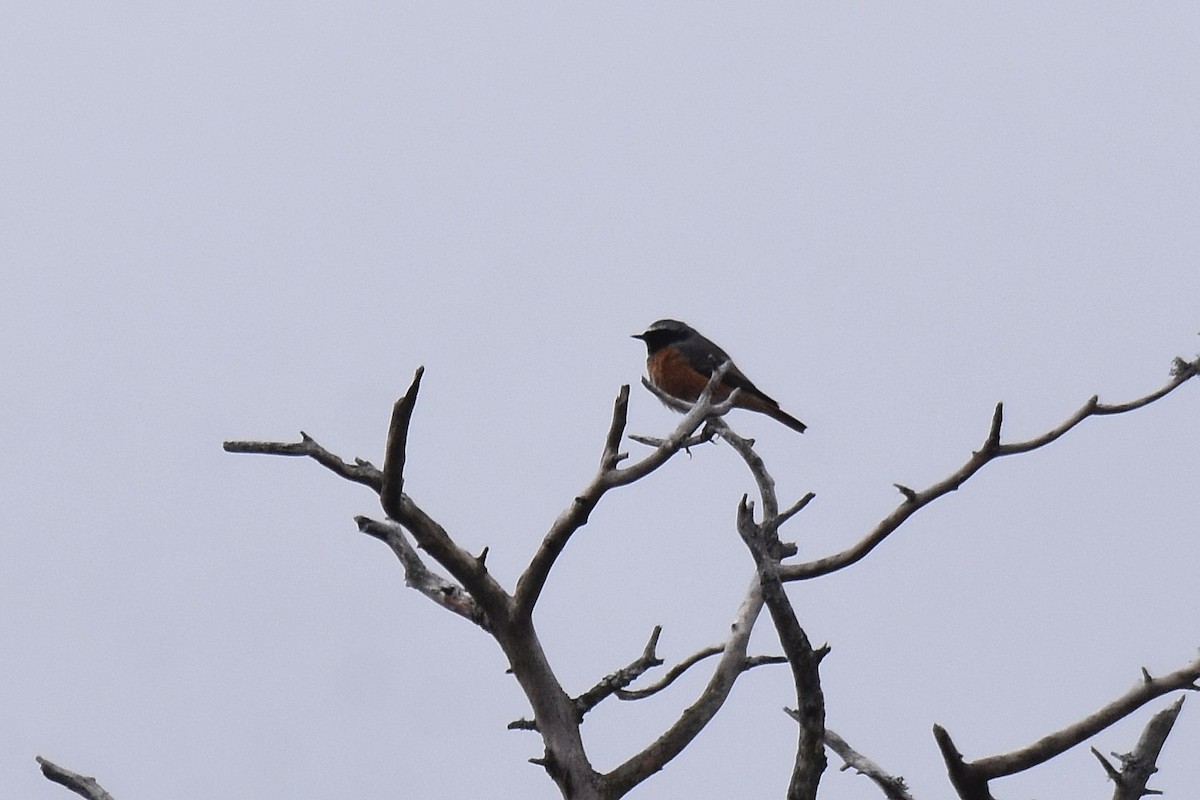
(706, 357)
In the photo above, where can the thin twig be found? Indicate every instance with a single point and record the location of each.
(703, 437)
(360, 471)
(683, 666)
(991, 449)
(673, 673)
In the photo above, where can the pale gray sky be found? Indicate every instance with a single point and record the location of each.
(235, 220)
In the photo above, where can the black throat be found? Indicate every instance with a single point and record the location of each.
(658, 339)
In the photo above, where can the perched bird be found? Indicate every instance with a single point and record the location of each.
(681, 361)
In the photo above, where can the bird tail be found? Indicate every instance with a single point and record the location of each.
(787, 419)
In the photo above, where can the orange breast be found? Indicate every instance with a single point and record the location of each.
(672, 373)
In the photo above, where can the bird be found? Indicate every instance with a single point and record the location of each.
(680, 362)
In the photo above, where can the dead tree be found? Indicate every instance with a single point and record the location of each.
(468, 589)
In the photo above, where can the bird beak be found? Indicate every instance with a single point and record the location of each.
(641, 336)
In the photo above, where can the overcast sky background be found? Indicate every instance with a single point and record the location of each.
(235, 220)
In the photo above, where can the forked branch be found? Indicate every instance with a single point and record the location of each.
(610, 684)
(468, 570)
(804, 660)
(1139, 765)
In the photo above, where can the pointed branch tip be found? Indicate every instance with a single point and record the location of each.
(391, 493)
(993, 439)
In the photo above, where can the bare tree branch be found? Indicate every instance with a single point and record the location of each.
(79, 784)
(1138, 766)
(703, 437)
(611, 684)
(480, 598)
(795, 508)
(968, 784)
(360, 471)
(683, 666)
(397, 442)
(483, 601)
(447, 594)
(430, 536)
(575, 516)
(464, 567)
(626, 694)
(673, 673)
(764, 546)
(733, 655)
(696, 716)
(893, 786)
(733, 659)
(475, 594)
(1113, 773)
(766, 484)
(1180, 371)
(616, 681)
(991, 449)
(970, 778)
